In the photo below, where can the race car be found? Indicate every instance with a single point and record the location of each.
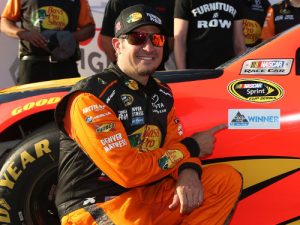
(255, 94)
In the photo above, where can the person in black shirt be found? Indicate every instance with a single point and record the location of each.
(207, 33)
(49, 34)
(254, 12)
(281, 17)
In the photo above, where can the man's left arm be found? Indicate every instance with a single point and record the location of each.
(84, 33)
(238, 37)
(189, 192)
(86, 23)
(268, 30)
(174, 135)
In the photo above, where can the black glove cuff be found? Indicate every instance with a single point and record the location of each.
(192, 146)
(190, 165)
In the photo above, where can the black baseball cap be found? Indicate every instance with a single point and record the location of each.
(136, 16)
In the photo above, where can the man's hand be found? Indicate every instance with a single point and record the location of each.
(34, 37)
(189, 192)
(206, 139)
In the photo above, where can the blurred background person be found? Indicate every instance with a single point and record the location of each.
(49, 34)
(280, 17)
(207, 33)
(254, 12)
(112, 11)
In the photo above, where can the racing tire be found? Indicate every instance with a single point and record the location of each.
(28, 179)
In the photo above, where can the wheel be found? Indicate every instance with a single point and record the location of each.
(28, 179)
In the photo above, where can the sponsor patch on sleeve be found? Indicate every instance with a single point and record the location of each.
(170, 159)
(112, 142)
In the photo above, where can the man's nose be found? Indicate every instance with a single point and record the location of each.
(148, 46)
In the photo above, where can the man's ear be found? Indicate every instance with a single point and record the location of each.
(116, 44)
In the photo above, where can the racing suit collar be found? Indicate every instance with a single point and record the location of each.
(130, 82)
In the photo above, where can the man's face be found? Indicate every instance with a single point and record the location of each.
(139, 61)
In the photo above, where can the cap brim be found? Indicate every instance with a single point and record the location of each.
(126, 31)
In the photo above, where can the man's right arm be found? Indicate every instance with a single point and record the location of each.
(10, 16)
(108, 47)
(112, 10)
(180, 36)
(268, 30)
(96, 128)
(10, 28)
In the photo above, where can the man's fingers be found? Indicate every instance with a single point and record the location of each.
(183, 201)
(200, 198)
(217, 128)
(174, 203)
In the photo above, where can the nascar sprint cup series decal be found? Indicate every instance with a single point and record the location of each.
(267, 66)
(255, 90)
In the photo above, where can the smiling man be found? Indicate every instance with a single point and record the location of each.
(123, 157)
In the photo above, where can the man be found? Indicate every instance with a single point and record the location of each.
(281, 17)
(49, 35)
(113, 9)
(255, 12)
(207, 33)
(123, 157)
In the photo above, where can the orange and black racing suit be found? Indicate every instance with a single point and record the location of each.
(122, 153)
(121, 119)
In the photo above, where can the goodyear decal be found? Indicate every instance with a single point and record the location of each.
(38, 103)
(15, 168)
(267, 66)
(4, 211)
(254, 119)
(106, 127)
(255, 90)
(170, 159)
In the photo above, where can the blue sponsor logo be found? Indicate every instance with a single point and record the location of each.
(89, 119)
(139, 120)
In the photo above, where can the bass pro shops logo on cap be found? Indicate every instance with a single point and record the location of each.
(136, 16)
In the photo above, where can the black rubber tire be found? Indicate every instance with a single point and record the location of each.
(28, 179)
